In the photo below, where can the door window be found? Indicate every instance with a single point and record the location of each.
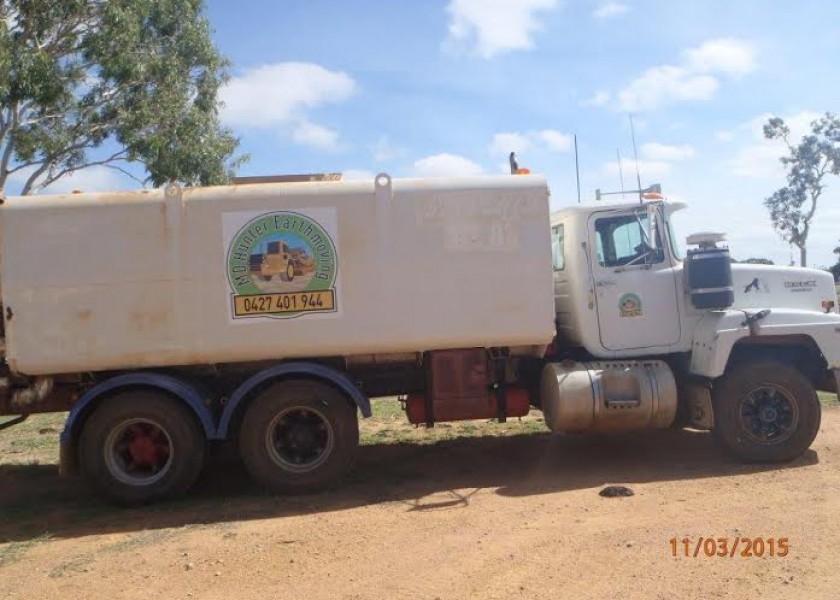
(622, 240)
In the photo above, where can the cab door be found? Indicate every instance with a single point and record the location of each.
(635, 284)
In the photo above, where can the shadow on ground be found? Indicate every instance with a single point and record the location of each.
(34, 501)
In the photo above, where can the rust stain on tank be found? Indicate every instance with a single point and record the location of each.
(84, 315)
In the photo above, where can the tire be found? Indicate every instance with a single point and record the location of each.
(122, 445)
(299, 436)
(290, 272)
(766, 412)
(266, 277)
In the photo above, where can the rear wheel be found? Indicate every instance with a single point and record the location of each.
(140, 447)
(299, 436)
(766, 412)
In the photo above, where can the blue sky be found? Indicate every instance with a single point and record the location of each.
(451, 86)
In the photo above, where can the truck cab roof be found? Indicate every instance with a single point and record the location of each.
(578, 210)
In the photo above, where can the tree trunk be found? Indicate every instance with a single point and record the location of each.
(803, 256)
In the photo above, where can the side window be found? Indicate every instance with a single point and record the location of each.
(558, 252)
(621, 241)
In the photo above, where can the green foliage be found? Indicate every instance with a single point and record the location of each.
(792, 207)
(835, 268)
(759, 261)
(106, 82)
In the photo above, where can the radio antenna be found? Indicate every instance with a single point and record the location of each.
(620, 172)
(577, 169)
(636, 156)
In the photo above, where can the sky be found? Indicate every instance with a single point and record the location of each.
(450, 87)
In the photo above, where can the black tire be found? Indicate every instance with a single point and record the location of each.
(766, 412)
(289, 275)
(110, 437)
(299, 436)
(266, 277)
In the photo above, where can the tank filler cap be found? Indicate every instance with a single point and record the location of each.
(705, 239)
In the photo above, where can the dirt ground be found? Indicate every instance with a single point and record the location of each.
(510, 516)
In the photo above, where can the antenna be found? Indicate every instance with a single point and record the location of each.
(620, 172)
(577, 169)
(636, 156)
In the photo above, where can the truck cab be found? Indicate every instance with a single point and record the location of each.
(746, 345)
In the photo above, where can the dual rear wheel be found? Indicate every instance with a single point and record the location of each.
(299, 436)
(143, 446)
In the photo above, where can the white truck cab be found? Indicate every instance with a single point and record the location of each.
(751, 339)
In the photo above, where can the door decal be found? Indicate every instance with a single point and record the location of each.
(630, 305)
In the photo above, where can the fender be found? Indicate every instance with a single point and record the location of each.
(177, 387)
(717, 332)
(294, 369)
(167, 383)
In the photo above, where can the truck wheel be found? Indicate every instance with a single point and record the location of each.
(140, 447)
(299, 436)
(290, 273)
(266, 277)
(766, 412)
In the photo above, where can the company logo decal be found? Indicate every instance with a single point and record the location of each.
(758, 285)
(630, 305)
(806, 285)
(282, 264)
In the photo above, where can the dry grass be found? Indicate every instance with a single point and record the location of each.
(389, 425)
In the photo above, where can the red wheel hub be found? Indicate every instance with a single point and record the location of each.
(148, 446)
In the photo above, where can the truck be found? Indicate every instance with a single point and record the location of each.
(150, 322)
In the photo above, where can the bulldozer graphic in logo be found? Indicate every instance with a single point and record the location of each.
(282, 261)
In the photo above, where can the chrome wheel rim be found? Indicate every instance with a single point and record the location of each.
(138, 452)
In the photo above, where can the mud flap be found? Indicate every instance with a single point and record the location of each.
(699, 400)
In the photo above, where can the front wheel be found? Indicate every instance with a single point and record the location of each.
(141, 446)
(766, 412)
(299, 436)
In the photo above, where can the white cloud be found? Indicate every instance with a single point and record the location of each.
(610, 10)
(384, 150)
(648, 169)
(505, 143)
(315, 136)
(599, 98)
(488, 28)
(724, 136)
(758, 158)
(556, 141)
(697, 77)
(446, 165)
(280, 95)
(97, 178)
(799, 124)
(664, 152)
(281, 92)
(725, 55)
(666, 84)
(519, 142)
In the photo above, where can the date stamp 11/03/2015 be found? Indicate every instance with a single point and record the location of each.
(729, 547)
